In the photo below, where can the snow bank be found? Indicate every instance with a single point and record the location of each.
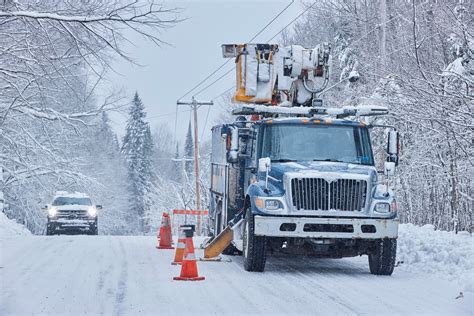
(445, 254)
(9, 227)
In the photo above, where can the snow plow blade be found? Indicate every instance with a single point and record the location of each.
(217, 245)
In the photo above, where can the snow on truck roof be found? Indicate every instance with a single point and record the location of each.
(312, 120)
(308, 120)
(77, 195)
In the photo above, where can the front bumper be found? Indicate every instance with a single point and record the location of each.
(72, 224)
(314, 227)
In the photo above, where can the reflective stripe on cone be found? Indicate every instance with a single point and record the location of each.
(189, 270)
(178, 256)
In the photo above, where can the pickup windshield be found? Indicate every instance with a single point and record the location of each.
(59, 201)
(292, 142)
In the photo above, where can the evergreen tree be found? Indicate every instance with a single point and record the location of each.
(178, 165)
(138, 149)
(189, 153)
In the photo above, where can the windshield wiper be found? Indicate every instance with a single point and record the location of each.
(283, 160)
(328, 159)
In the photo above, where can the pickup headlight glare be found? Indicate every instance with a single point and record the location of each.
(52, 212)
(92, 211)
(273, 204)
(382, 208)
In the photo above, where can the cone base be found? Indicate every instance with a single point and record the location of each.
(211, 259)
(164, 247)
(189, 279)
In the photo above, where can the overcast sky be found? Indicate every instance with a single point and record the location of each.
(167, 72)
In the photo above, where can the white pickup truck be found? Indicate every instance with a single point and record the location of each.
(71, 212)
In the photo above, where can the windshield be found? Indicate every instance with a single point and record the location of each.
(71, 201)
(291, 142)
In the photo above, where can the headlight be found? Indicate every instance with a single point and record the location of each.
(268, 204)
(92, 211)
(273, 204)
(382, 208)
(52, 212)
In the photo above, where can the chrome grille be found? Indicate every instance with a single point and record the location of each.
(320, 195)
(72, 214)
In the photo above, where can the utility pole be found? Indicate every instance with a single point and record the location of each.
(194, 106)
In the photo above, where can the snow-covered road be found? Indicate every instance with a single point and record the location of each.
(70, 275)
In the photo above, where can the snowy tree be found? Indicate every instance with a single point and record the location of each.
(53, 57)
(177, 165)
(189, 154)
(137, 148)
(105, 162)
(416, 57)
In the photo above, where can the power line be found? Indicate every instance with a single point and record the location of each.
(286, 26)
(279, 32)
(273, 20)
(292, 21)
(222, 93)
(230, 70)
(166, 114)
(205, 79)
(212, 83)
(225, 63)
(205, 122)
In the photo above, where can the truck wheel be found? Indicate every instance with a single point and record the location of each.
(382, 258)
(254, 246)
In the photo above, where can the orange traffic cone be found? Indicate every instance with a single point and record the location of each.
(189, 270)
(166, 240)
(178, 257)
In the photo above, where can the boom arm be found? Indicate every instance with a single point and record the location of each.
(267, 73)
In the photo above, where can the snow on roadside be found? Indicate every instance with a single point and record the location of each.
(9, 227)
(445, 254)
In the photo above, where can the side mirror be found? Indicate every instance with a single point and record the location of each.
(99, 207)
(264, 164)
(232, 144)
(393, 147)
(44, 207)
(389, 168)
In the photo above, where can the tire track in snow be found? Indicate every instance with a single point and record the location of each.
(281, 270)
(44, 252)
(317, 280)
(122, 281)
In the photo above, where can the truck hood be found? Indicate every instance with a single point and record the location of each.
(278, 170)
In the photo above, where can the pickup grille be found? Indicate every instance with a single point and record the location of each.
(320, 195)
(72, 214)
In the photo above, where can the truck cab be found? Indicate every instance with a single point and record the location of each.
(71, 213)
(304, 186)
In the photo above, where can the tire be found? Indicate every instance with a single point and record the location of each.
(254, 246)
(49, 231)
(94, 231)
(382, 258)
